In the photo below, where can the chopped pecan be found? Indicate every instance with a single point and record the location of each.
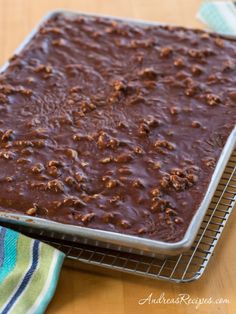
(38, 185)
(139, 150)
(142, 230)
(164, 182)
(53, 171)
(196, 69)
(158, 205)
(43, 68)
(7, 135)
(87, 106)
(151, 121)
(179, 179)
(144, 129)
(193, 178)
(54, 30)
(119, 85)
(84, 163)
(70, 181)
(156, 165)
(155, 192)
(39, 143)
(210, 162)
(178, 220)
(79, 177)
(113, 143)
(55, 163)
(9, 179)
(115, 199)
(7, 155)
(59, 42)
(192, 87)
(124, 158)
(149, 74)
(38, 168)
(192, 169)
(198, 54)
(73, 201)
(111, 183)
(170, 211)
(31, 211)
(26, 92)
(212, 99)
(138, 184)
(125, 224)
(165, 52)
(106, 160)
(174, 110)
(122, 125)
(87, 217)
(178, 183)
(125, 171)
(23, 161)
(228, 65)
(71, 153)
(205, 36)
(219, 42)
(23, 143)
(55, 185)
(179, 62)
(107, 217)
(196, 124)
(77, 137)
(165, 144)
(177, 171)
(106, 141)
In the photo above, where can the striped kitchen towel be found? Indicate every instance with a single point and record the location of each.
(220, 16)
(29, 271)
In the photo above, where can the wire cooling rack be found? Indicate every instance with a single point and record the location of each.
(186, 267)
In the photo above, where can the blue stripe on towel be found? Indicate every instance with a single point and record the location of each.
(2, 236)
(10, 248)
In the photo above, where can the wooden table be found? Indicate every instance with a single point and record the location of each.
(91, 292)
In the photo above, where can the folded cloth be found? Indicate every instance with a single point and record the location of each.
(220, 16)
(29, 271)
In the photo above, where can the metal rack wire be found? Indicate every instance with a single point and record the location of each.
(186, 267)
(183, 268)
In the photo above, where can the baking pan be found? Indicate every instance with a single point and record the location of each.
(114, 240)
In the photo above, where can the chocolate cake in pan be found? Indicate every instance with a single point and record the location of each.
(113, 125)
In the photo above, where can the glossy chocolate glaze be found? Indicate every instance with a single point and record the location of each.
(115, 126)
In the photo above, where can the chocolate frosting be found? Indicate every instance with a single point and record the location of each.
(113, 125)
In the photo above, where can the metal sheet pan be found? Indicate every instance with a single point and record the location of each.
(114, 240)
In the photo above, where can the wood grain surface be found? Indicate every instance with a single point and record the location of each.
(88, 292)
